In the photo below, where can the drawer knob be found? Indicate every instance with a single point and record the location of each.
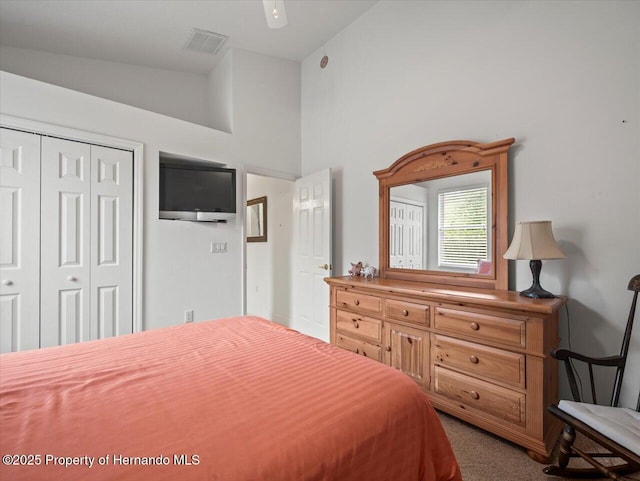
(473, 359)
(405, 312)
(356, 302)
(388, 348)
(474, 326)
(357, 351)
(356, 324)
(474, 395)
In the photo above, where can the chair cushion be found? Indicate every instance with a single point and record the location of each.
(621, 425)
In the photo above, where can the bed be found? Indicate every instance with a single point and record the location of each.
(236, 399)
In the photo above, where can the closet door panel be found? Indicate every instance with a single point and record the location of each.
(397, 233)
(66, 240)
(112, 247)
(415, 236)
(19, 240)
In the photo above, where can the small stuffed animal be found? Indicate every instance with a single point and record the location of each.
(368, 271)
(355, 269)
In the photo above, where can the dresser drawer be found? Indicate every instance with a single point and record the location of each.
(359, 347)
(481, 326)
(479, 360)
(361, 302)
(362, 326)
(498, 401)
(407, 311)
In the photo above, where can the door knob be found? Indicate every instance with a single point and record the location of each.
(326, 267)
(72, 278)
(7, 282)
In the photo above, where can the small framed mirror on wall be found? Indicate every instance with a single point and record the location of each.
(257, 220)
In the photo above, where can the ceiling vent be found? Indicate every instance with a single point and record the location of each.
(205, 42)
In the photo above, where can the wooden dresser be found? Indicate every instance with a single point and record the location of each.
(481, 352)
(481, 355)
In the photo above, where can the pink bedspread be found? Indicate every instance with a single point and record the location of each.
(238, 399)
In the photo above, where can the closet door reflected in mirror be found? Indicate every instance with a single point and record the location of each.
(407, 226)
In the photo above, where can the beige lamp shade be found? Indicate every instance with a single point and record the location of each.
(534, 240)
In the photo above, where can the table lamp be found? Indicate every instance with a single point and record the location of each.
(534, 241)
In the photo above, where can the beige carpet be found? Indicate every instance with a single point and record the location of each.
(485, 457)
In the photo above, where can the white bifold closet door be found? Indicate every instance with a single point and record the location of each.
(86, 280)
(19, 241)
(67, 241)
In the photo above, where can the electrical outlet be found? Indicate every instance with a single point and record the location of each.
(188, 315)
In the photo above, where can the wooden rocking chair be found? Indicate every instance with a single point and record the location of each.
(615, 429)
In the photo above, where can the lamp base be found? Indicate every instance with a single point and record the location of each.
(536, 291)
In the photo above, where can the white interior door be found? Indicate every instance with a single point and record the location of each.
(87, 242)
(111, 242)
(312, 254)
(19, 240)
(66, 235)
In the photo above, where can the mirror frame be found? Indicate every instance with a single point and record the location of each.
(260, 201)
(446, 159)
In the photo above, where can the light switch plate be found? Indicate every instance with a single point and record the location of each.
(218, 247)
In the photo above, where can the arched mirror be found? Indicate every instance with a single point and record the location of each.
(443, 215)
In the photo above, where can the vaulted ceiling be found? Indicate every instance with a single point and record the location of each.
(153, 33)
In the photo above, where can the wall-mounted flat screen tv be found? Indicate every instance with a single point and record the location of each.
(197, 191)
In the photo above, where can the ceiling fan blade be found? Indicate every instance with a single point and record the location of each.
(275, 13)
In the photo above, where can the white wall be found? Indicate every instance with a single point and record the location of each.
(266, 111)
(179, 273)
(561, 77)
(244, 86)
(269, 263)
(220, 94)
(176, 94)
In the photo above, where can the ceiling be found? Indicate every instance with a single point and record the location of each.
(153, 32)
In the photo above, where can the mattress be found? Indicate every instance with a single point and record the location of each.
(236, 399)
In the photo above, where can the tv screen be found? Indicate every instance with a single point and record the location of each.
(204, 189)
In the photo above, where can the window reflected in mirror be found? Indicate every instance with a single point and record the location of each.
(442, 224)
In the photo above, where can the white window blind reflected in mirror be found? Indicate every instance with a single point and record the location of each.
(463, 240)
